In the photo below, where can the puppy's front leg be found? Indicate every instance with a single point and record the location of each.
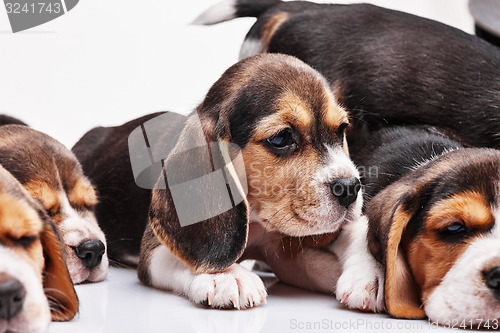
(235, 286)
(361, 285)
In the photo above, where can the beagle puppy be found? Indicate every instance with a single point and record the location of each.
(434, 216)
(35, 285)
(54, 177)
(277, 135)
(386, 67)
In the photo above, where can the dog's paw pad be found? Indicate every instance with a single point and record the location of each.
(235, 287)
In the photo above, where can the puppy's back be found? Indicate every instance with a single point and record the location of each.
(391, 153)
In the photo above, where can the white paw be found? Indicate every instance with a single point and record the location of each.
(235, 287)
(362, 287)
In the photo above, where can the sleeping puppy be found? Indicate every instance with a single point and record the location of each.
(277, 138)
(34, 282)
(53, 176)
(434, 225)
(386, 67)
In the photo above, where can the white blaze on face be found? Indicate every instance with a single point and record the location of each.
(78, 227)
(463, 293)
(337, 166)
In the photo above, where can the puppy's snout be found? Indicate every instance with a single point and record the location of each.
(90, 253)
(346, 190)
(492, 280)
(12, 294)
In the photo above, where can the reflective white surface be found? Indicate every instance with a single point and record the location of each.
(122, 304)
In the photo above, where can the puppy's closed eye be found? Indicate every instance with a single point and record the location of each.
(26, 241)
(284, 143)
(454, 228)
(454, 232)
(54, 210)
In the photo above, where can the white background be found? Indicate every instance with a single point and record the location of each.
(109, 61)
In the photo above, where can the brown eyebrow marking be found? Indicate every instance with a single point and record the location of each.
(17, 218)
(291, 110)
(83, 194)
(41, 191)
(335, 114)
(469, 207)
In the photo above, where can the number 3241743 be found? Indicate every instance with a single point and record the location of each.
(33, 8)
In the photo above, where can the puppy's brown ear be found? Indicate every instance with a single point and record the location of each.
(199, 208)
(57, 283)
(389, 214)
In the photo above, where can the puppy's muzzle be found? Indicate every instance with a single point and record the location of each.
(492, 280)
(90, 253)
(12, 294)
(346, 190)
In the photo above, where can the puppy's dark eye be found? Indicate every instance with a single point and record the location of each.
(82, 207)
(282, 143)
(25, 241)
(281, 139)
(455, 228)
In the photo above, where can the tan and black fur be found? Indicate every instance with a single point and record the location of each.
(35, 285)
(53, 176)
(386, 67)
(431, 204)
(258, 101)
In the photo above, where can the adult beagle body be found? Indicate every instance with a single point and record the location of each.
(434, 213)
(280, 122)
(385, 67)
(35, 285)
(54, 177)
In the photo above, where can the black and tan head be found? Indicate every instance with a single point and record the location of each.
(54, 177)
(35, 285)
(291, 157)
(291, 132)
(437, 232)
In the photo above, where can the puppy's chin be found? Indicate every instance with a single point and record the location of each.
(332, 219)
(81, 274)
(309, 228)
(300, 224)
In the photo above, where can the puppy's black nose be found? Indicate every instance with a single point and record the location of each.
(90, 253)
(346, 190)
(492, 280)
(12, 294)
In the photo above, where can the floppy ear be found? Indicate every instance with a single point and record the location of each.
(198, 207)
(57, 284)
(389, 214)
